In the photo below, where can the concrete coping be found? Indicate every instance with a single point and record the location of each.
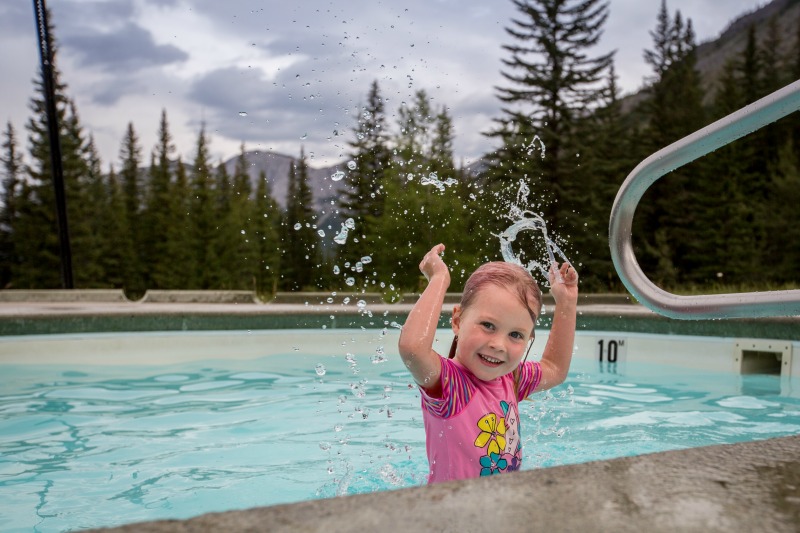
(745, 487)
(241, 297)
(203, 297)
(63, 295)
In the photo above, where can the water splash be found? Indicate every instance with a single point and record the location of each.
(433, 179)
(347, 225)
(530, 221)
(532, 146)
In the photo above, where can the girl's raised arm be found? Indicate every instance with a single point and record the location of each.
(417, 335)
(557, 353)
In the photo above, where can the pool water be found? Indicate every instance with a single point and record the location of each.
(91, 446)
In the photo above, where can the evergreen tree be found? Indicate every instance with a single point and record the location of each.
(12, 174)
(362, 196)
(130, 156)
(426, 201)
(156, 216)
(181, 268)
(222, 247)
(300, 253)
(37, 242)
(669, 209)
(266, 227)
(92, 213)
(552, 84)
(605, 159)
(118, 253)
(202, 212)
(243, 264)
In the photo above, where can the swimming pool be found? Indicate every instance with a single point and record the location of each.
(100, 430)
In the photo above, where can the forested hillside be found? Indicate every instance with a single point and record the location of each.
(567, 140)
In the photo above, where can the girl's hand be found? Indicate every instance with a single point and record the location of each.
(433, 265)
(565, 290)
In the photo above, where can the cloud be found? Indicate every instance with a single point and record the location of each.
(17, 19)
(128, 49)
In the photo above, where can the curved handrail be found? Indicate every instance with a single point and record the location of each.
(738, 124)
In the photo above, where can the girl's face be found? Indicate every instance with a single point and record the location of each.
(493, 332)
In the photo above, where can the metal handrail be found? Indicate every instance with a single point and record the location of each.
(726, 130)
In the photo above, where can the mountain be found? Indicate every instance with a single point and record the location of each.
(276, 167)
(712, 55)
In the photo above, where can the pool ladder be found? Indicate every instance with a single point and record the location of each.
(726, 130)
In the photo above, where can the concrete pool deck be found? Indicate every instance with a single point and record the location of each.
(746, 487)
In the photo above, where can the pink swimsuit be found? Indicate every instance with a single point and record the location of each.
(473, 429)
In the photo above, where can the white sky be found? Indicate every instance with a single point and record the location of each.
(298, 69)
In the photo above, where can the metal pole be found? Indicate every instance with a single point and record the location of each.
(726, 130)
(46, 54)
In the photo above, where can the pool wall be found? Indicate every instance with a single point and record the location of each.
(609, 349)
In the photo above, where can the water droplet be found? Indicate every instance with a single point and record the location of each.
(350, 223)
(320, 233)
(298, 226)
(361, 304)
(337, 176)
(320, 369)
(350, 282)
(304, 136)
(337, 427)
(366, 260)
(242, 232)
(341, 237)
(336, 270)
(325, 445)
(351, 165)
(242, 113)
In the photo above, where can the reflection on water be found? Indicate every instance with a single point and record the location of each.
(98, 447)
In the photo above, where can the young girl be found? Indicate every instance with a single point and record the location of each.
(469, 400)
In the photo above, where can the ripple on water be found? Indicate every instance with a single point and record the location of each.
(746, 402)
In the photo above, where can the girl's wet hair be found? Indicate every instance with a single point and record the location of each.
(507, 275)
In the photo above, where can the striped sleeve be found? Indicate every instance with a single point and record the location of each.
(528, 378)
(456, 392)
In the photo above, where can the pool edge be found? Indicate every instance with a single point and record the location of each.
(752, 486)
(37, 318)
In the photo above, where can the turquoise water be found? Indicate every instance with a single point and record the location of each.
(95, 446)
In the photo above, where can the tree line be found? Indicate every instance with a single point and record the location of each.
(566, 142)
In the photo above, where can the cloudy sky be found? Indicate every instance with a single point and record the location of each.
(281, 74)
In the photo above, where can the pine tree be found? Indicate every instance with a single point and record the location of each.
(362, 196)
(130, 156)
(118, 253)
(552, 83)
(299, 235)
(266, 227)
(181, 268)
(221, 246)
(12, 169)
(156, 216)
(674, 109)
(202, 216)
(243, 264)
(91, 213)
(37, 242)
(605, 159)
